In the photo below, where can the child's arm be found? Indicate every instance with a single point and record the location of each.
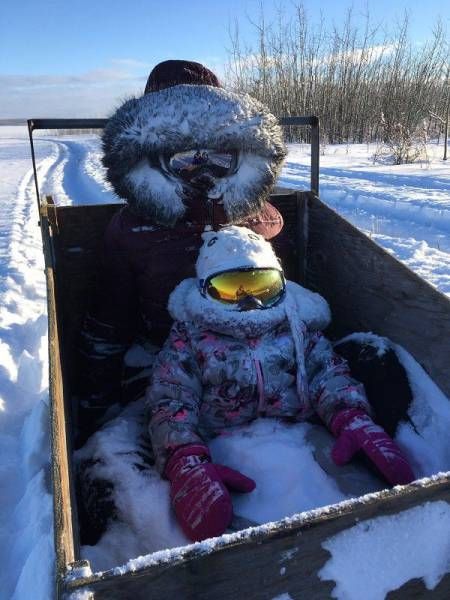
(331, 386)
(174, 396)
(341, 402)
(199, 489)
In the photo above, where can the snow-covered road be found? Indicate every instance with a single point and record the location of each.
(406, 209)
(26, 538)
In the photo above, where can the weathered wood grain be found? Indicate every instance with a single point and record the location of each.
(65, 517)
(77, 233)
(369, 290)
(267, 563)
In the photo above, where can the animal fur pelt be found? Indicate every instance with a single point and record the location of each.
(374, 362)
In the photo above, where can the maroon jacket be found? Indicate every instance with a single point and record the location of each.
(141, 264)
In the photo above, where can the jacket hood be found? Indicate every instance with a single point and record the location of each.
(181, 118)
(187, 304)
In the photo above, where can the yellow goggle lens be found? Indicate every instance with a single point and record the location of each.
(267, 285)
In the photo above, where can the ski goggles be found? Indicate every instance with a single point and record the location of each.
(191, 163)
(265, 286)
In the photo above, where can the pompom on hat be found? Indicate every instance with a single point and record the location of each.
(176, 72)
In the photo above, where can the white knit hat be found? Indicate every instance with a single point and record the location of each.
(234, 248)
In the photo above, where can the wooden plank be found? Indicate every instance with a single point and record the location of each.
(268, 561)
(290, 245)
(369, 290)
(77, 236)
(81, 225)
(65, 517)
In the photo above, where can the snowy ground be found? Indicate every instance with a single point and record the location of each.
(406, 209)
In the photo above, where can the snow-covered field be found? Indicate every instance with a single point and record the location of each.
(406, 209)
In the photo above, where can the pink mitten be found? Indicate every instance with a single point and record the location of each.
(355, 431)
(200, 499)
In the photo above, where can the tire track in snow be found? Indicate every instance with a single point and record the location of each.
(26, 538)
(392, 180)
(422, 202)
(72, 180)
(26, 519)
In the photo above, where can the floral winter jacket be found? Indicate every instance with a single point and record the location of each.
(139, 266)
(219, 369)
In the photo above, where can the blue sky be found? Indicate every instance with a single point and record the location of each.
(79, 57)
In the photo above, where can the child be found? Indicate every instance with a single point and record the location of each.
(183, 112)
(248, 344)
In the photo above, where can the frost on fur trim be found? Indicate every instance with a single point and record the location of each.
(185, 117)
(187, 304)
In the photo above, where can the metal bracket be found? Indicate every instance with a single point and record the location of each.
(34, 124)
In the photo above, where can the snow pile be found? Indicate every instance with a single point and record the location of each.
(379, 555)
(425, 438)
(141, 496)
(26, 518)
(428, 451)
(282, 458)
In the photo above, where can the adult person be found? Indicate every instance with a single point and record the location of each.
(152, 242)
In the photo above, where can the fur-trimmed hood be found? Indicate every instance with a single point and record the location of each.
(187, 304)
(185, 117)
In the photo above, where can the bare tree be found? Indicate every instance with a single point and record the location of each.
(349, 76)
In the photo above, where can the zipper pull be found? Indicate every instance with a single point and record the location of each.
(210, 210)
(260, 387)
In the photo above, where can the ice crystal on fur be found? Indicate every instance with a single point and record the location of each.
(185, 117)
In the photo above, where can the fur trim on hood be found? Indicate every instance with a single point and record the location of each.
(185, 117)
(187, 304)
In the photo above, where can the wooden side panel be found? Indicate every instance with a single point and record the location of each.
(78, 233)
(290, 244)
(369, 290)
(65, 519)
(77, 236)
(269, 563)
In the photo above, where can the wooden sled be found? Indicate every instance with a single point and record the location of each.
(368, 290)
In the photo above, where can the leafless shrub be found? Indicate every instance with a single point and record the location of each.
(347, 76)
(401, 145)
